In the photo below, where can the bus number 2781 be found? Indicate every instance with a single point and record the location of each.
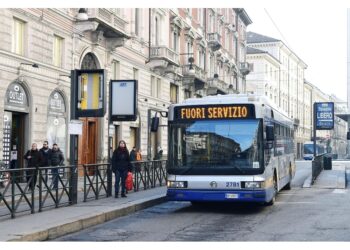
(232, 184)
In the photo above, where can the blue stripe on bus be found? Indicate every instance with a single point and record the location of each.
(219, 195)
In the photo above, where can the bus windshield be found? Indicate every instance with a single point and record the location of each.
(220, 146)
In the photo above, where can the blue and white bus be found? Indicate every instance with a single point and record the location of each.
(229, 148)
(308, 153)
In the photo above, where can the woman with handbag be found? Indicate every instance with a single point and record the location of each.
(120, 167)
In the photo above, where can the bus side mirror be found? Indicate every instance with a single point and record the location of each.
(270, 133)
(348, 135)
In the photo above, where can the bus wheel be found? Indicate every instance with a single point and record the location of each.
(272, 201)
(289, 185)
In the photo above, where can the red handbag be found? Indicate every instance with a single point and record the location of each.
(129, 182)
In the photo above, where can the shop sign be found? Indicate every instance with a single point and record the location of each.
(56, 104)
(16, 98)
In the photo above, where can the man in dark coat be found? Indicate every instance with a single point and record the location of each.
(34, 160)
(120, 167)
(45, 151)
(56, 160)
(133, 154)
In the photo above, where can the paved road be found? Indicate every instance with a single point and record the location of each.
(298, 215)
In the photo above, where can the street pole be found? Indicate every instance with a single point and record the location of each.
(149, 157)
(73, 149)
(110, 145)
(314, 125)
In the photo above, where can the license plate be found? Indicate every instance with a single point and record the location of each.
(231, 196)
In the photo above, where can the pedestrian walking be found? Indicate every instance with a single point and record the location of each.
(133, 154)
(45, 151)
(57, 160)
(34, 160)
(120, 167)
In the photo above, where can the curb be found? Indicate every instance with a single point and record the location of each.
(75, 226)
(307, 182)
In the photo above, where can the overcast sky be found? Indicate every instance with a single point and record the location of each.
(317, 36)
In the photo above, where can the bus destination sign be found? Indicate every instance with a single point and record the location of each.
(212, 112)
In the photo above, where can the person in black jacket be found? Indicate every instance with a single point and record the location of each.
(120, 167)
(56, 160)
(35, 160)
(45, 151)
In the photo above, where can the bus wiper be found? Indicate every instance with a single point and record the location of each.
(185, 171)
(239, 169)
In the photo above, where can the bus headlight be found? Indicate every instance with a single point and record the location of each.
(177, 184)
(254, 184)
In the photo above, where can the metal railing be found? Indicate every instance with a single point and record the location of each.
(317, 166)
(96, 181)
(149, 174)
(31, 190)
(34, 189)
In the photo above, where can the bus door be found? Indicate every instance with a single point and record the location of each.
(279, 151)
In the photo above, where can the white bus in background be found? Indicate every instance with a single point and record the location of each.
(229, 148)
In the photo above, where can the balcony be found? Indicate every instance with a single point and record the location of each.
(216, 86)
(165, 58)
(113, 25)
(245, 68)
(214, 41)
(104, 26)
(296, 122)
(198, 72)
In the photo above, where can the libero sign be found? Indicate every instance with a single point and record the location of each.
(324, 115)
(210, 112)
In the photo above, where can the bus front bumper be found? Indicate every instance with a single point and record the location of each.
(220, 195)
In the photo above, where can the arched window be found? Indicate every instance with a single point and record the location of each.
(90, 62)
(56, 121)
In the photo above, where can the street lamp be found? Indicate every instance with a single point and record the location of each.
(82, 15)
(230, 89)
(191, 70)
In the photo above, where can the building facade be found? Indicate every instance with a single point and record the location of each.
(172, 53)
(279, 74)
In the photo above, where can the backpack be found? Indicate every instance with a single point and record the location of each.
(138, 156)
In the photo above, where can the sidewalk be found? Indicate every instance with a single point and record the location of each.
(61, 221)
(335, 178)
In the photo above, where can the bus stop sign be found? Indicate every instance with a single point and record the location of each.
(324, 115)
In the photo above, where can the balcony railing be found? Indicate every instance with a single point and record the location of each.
(214, 40)
(245, 68)
(296, 121)
(108, 19)
(199, 72)
(218, 84)
(164, 53)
